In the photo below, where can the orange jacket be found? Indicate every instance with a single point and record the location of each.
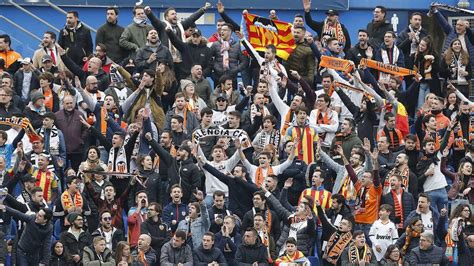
(10, 57)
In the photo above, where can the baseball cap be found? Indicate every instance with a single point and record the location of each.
(221, 96)
(196, 32)
(46, 57)
(26, 61)
(332, 12)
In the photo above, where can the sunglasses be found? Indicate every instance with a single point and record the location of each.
(107, 218)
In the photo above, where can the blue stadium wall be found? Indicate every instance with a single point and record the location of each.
(93, 13)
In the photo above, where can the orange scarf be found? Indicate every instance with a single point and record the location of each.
(287, 122)
(388, 68)
(259, 177)
(68, 202)
(185, 116)
(322, 118)
(103, 121)
(398, 208)
(335, 31)
(337, 64)
(287, 258)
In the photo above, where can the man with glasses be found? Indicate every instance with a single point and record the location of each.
(427, 253)
(159, 232)
(378, 26)
(111, 234)
(7, 108)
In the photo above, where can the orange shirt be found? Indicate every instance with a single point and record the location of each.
(369, 214)
(48, 99)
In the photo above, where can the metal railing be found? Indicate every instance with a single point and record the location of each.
(20, 28)
(57, 8)
(33, 15)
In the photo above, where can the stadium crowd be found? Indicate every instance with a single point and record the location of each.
(154, 145)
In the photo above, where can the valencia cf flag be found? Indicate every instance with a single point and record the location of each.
(263, 31)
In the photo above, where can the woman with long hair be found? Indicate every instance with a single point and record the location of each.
(122, 254)
(411, 238)
(59, 256)
(426, 63)
(170, 85)
(456, 67)
(451, 104)
(456, 247)
(463, 180)
(392, 256)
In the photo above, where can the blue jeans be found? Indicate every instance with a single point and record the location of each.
(439, 198)
(24, 259)
(424, 90)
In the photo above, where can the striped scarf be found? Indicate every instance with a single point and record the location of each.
(398, 208)
(335, 31)
(354, 256)
(259, 177)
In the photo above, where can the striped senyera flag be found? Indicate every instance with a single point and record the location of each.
(263, 31)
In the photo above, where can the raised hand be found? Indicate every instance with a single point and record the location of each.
(148, 136)
(199, 195)
(306, 5)
(366, 145)
(220, 7)
(288, 183)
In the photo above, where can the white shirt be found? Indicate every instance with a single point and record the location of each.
(427, 220)
(383, 235)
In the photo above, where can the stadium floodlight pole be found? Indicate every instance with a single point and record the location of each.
(57, 8)
(33, 15)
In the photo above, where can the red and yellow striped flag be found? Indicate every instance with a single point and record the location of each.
(263, 31)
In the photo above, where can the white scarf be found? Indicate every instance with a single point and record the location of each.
(53, 140)
(120, 163)
(254, 109)
(416, 40)
(386, 60)
(174, 52)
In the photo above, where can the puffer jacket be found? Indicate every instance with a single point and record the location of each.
(162, 55)
(203, 257)
(172, 256)
(434, 255)
(248, 254)
(134, 37)
(237, 60)
(198, 227)
(74, 246)
(89, 258)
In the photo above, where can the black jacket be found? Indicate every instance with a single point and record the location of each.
(76, 69)
(36, 239)
(317, 26)
(297, 171)
(77, 42)
(158, 231)
(162, 55)
(356, 54)
(408, 205)
(228, 245)
(248, 254)
(183, 172)
(109, 34)
(305, 235)
(117, 236)
(150, 183)
(240, 196)
(202, 257)
(434, 255)
(192, 54)
(73, 246)
(377, 31)
(247, 222)
(404, 42)
(18, 83)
